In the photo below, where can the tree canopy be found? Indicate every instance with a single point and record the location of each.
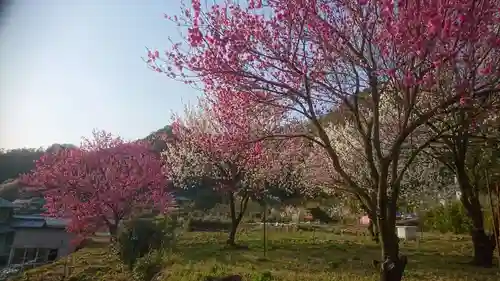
(304, 57)
(101, 182)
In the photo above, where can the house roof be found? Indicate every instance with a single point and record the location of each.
(5, 203)
(37, 221)
(21, 201)
(20, 223)
(56, 223)
(29, 217)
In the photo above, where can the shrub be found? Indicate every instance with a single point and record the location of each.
(264, 276)
(143, 235)
(449, 218)
(279, 219)
(314, 228)
(319, 214)
(148, 266)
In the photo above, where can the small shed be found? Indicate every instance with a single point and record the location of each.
(364, 220)
(40, 239)
(407, 232)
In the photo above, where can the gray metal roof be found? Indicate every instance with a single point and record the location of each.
(29, 221)
(29, 217)
(38, 221)
(56, 223)
(20, 223)
(21, 201)
(5, 203)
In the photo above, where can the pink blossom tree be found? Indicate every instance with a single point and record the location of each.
(100, 183)
(308, 56)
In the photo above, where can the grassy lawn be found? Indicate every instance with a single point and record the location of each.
(291, 256)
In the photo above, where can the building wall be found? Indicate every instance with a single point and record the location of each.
(51, 238)
(5, 242)
(5, 214)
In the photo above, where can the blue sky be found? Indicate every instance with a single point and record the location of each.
(67, 67)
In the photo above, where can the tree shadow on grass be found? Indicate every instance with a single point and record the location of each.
(333, 255)
(327, 256)
(217, 252)
(284, 255)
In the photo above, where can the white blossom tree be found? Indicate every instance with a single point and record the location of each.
(416, 175)
(210, 149)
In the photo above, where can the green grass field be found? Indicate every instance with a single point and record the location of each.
(291, 256)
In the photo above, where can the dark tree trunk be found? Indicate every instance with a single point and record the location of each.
(235, 218)
(373, 229)
(484, 248)
(113, 232)
(231, 240)
(264, 229)
(394, 264)
(112, 226)
(483, 244)
(393, 270)
(370, 229)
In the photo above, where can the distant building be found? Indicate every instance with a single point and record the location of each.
(28, 206)
(31, 238)
(13, 189)
(364, 220)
